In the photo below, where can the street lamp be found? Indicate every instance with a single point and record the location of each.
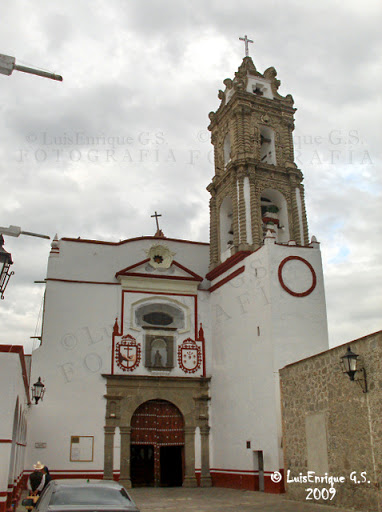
(38, 390)
(5, 263)
(6, 258)
(8, 64)
(349, 361)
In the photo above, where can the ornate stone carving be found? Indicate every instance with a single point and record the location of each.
(243, 118)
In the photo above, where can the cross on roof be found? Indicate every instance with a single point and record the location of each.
(156, 215)
(246, 41)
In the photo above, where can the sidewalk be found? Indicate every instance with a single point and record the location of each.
(215, 499)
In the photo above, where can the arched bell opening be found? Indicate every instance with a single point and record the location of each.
(267, 145)
(227, 149)
(274, 215)
(226, 228)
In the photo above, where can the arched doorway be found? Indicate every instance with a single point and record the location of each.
(157, 445)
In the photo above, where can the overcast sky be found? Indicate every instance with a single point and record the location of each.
(125, 133)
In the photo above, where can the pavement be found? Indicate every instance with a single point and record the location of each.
(216, 499)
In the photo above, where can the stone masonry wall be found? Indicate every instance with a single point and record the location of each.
(331, 427)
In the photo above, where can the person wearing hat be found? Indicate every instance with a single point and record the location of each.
(36, 479)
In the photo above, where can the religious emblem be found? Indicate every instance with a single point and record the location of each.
(189, 356)
(160, 256)
(128, 353)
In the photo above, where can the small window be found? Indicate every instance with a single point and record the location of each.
(158, 318)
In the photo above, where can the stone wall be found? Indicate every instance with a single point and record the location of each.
(331, 427)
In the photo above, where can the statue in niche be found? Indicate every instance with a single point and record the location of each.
(158, 359)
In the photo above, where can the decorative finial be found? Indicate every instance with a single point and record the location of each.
(159, 232)
(246, 41)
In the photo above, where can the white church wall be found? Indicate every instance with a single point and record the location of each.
(257, 325)
(241, 387)
(299, 324)
(77, 343)
(76, 350)
(99, 261)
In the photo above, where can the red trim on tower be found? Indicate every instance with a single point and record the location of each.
(5, 440)
(227, 264)
(19, 349)
(228, 278)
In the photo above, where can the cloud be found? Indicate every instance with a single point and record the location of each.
(125, 133)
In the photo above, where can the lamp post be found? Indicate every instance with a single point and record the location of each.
(6, 257)
(38, 391)
(8, 64)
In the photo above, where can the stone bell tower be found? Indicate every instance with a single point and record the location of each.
(257, 187)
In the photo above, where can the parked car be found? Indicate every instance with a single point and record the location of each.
(82, 496)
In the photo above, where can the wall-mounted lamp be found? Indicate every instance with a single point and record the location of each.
(349, 361)
(38, 390)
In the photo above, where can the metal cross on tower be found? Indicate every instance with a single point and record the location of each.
(156, 215)
(246, 41)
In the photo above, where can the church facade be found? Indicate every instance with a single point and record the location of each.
(161, 356)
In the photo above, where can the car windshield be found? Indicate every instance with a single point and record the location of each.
(89, 495)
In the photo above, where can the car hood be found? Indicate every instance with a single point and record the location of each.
(92, 508)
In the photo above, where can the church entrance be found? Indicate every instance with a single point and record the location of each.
(157, 445)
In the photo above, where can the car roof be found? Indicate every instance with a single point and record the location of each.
(80, 482)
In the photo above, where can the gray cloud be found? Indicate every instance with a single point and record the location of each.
(125, 133)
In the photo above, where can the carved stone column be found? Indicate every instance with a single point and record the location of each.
(124, 478)
(214, 227)
(108, 453)
(189, 449)
(304, 219)
(205, 477)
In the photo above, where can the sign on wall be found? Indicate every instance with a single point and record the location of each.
(81, 448)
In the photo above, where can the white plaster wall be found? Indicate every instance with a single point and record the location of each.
(245, 387)
(76, 350)
(242, 368)
(77, 342)
(299, 324)
(78, 260)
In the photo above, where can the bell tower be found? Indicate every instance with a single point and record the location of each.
(257, 187)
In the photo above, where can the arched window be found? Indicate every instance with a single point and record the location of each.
(159, 315)
(267, 145)
(227, 149)
(274, 214)
(160, 321)
(226, 228)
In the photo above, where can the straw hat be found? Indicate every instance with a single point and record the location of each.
(38, 466)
